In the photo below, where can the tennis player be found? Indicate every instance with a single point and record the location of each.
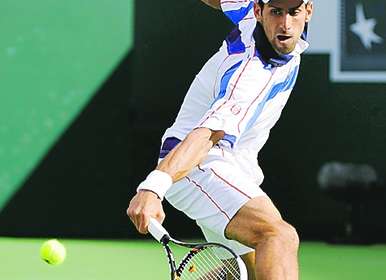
(208, 164)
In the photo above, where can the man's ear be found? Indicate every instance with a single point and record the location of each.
(309, 11)
(258, 11)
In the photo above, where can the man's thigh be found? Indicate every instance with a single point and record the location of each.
(259, 212)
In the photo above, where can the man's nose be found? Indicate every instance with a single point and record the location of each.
(286, 22)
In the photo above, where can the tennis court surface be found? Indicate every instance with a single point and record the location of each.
(123, 260)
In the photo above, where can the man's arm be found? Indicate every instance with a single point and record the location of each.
(213, 3)
(189, 153)
(177, 164)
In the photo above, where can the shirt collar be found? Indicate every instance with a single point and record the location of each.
(300, 47)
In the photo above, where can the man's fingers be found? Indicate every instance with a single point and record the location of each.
(160, 217)
(131, 212)
(143, 206)
(143, 222)
(134, 212)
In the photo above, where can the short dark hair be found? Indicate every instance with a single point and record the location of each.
(261, 3)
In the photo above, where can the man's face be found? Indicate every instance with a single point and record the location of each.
(283, 22)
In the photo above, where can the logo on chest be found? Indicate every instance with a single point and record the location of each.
(235, 109)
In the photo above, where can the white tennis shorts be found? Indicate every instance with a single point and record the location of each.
(215, 190)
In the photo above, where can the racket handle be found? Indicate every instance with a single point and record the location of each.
(157, 230)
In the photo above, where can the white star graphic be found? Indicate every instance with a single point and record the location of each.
(364, 28)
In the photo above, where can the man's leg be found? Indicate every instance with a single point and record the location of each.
(250, 262)
(258, 224)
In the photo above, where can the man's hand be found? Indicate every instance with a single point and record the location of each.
(216, 4)
(143, 206)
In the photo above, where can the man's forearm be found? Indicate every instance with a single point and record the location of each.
(189, 153)
(213, 3)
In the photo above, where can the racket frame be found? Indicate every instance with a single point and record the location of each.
(162, 236)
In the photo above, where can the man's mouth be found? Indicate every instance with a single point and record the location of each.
(283, 38)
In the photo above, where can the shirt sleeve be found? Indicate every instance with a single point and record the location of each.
(237, 10)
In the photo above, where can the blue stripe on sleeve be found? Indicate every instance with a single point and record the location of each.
(231, 139)
(237, 15)
(234, 42)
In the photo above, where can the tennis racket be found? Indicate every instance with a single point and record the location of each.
(203, 261)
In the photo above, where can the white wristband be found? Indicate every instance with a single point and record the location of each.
(158, 182)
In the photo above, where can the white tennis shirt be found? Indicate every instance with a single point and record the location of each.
(242, 89)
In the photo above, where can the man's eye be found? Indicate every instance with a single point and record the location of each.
(294, 12)
(276, 12)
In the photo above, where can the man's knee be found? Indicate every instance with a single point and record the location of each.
(258, 232)
(278, 231)
(258, 221)
(290, 234)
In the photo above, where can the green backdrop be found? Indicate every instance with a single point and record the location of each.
(53, 57)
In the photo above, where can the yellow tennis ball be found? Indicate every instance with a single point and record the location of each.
(53, 252)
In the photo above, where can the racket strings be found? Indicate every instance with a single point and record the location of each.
(220, 271)
(212, 268)
(226, 266)
(209, 263)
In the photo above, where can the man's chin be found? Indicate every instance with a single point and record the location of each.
(284, 50)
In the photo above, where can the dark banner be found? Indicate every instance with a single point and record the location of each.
(363, 36)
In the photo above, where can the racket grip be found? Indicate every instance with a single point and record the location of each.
(157, 230)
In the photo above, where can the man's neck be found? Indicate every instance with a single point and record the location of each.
(265, 50)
